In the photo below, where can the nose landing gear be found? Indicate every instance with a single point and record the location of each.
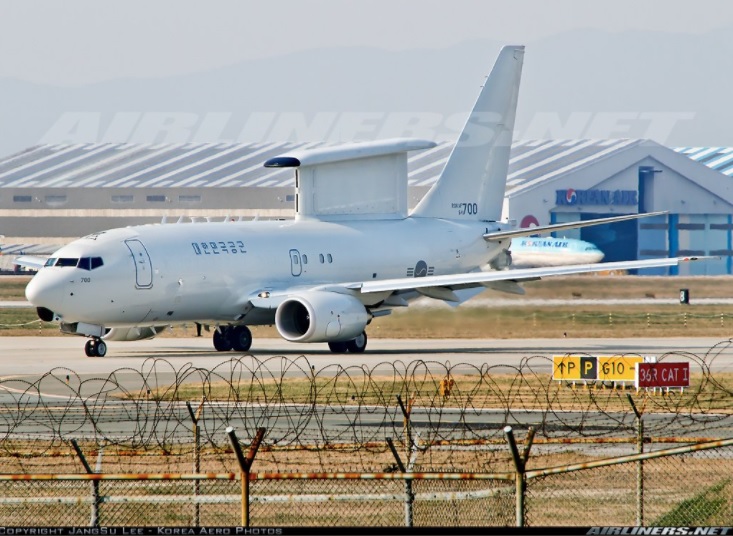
(95, 348)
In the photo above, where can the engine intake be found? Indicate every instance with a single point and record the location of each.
(321, 316)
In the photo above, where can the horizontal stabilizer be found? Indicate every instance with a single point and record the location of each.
(530, 231)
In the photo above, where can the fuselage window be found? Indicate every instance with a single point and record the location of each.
(320, 257)
(330, 259)
(67, 262)
(50, 262)
(305, 259)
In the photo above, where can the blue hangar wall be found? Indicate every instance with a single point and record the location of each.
(586, 179)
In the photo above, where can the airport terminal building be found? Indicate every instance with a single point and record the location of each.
(63, 191)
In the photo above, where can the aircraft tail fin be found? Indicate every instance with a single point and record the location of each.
(472, 184)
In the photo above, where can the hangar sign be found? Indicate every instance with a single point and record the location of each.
(596, 197)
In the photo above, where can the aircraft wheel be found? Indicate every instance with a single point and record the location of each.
(240, 338)
(95, 348)
(358, 345)
(221, 340)
(337, 347)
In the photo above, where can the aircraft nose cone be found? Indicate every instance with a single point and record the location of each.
(43, 293)
(34, 291)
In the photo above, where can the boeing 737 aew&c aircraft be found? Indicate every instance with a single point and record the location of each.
(352, 253)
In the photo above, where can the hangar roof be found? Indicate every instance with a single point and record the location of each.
(123, 165)
(718, 158)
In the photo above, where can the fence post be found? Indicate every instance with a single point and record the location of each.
(412, 451)
(639, 464)
(245, 465)
(406, 412)
(195, 417)
(94, 521)
(409, 496)
(520, 461)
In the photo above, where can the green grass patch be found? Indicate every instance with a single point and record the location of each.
(707, 508)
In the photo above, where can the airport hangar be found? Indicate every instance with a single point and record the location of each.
(53, 193)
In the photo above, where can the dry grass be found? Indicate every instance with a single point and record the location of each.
(528, 391)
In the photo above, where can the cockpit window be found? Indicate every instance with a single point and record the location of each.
(85, 263)
(90, 263)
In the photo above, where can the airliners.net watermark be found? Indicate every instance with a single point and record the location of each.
(258, 127)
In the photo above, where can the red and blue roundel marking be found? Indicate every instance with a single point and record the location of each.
(570, 196)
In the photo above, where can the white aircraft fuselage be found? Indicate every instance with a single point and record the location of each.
(207, 272)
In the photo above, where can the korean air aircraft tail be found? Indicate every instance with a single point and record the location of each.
(473, 181)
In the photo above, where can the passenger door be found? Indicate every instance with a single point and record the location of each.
(143, 264)
(296, 267)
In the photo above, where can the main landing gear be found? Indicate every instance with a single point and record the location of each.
(95, 348)
(355, 346)
(237, 338)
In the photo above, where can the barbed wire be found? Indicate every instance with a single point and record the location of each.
(453, 414)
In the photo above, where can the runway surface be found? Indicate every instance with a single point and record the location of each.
(37, 355)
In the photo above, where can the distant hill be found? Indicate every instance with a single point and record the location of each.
(669, 87)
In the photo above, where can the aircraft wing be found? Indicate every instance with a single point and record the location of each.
(457, 281)
(442, 287)
(529, 231)
(35, 263)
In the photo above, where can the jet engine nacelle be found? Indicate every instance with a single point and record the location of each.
(132, 334)
(321, 316)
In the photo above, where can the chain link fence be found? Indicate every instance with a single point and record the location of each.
(681, 486)
(420, 444)
(691, 489)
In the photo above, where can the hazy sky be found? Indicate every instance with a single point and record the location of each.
(75, 42)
